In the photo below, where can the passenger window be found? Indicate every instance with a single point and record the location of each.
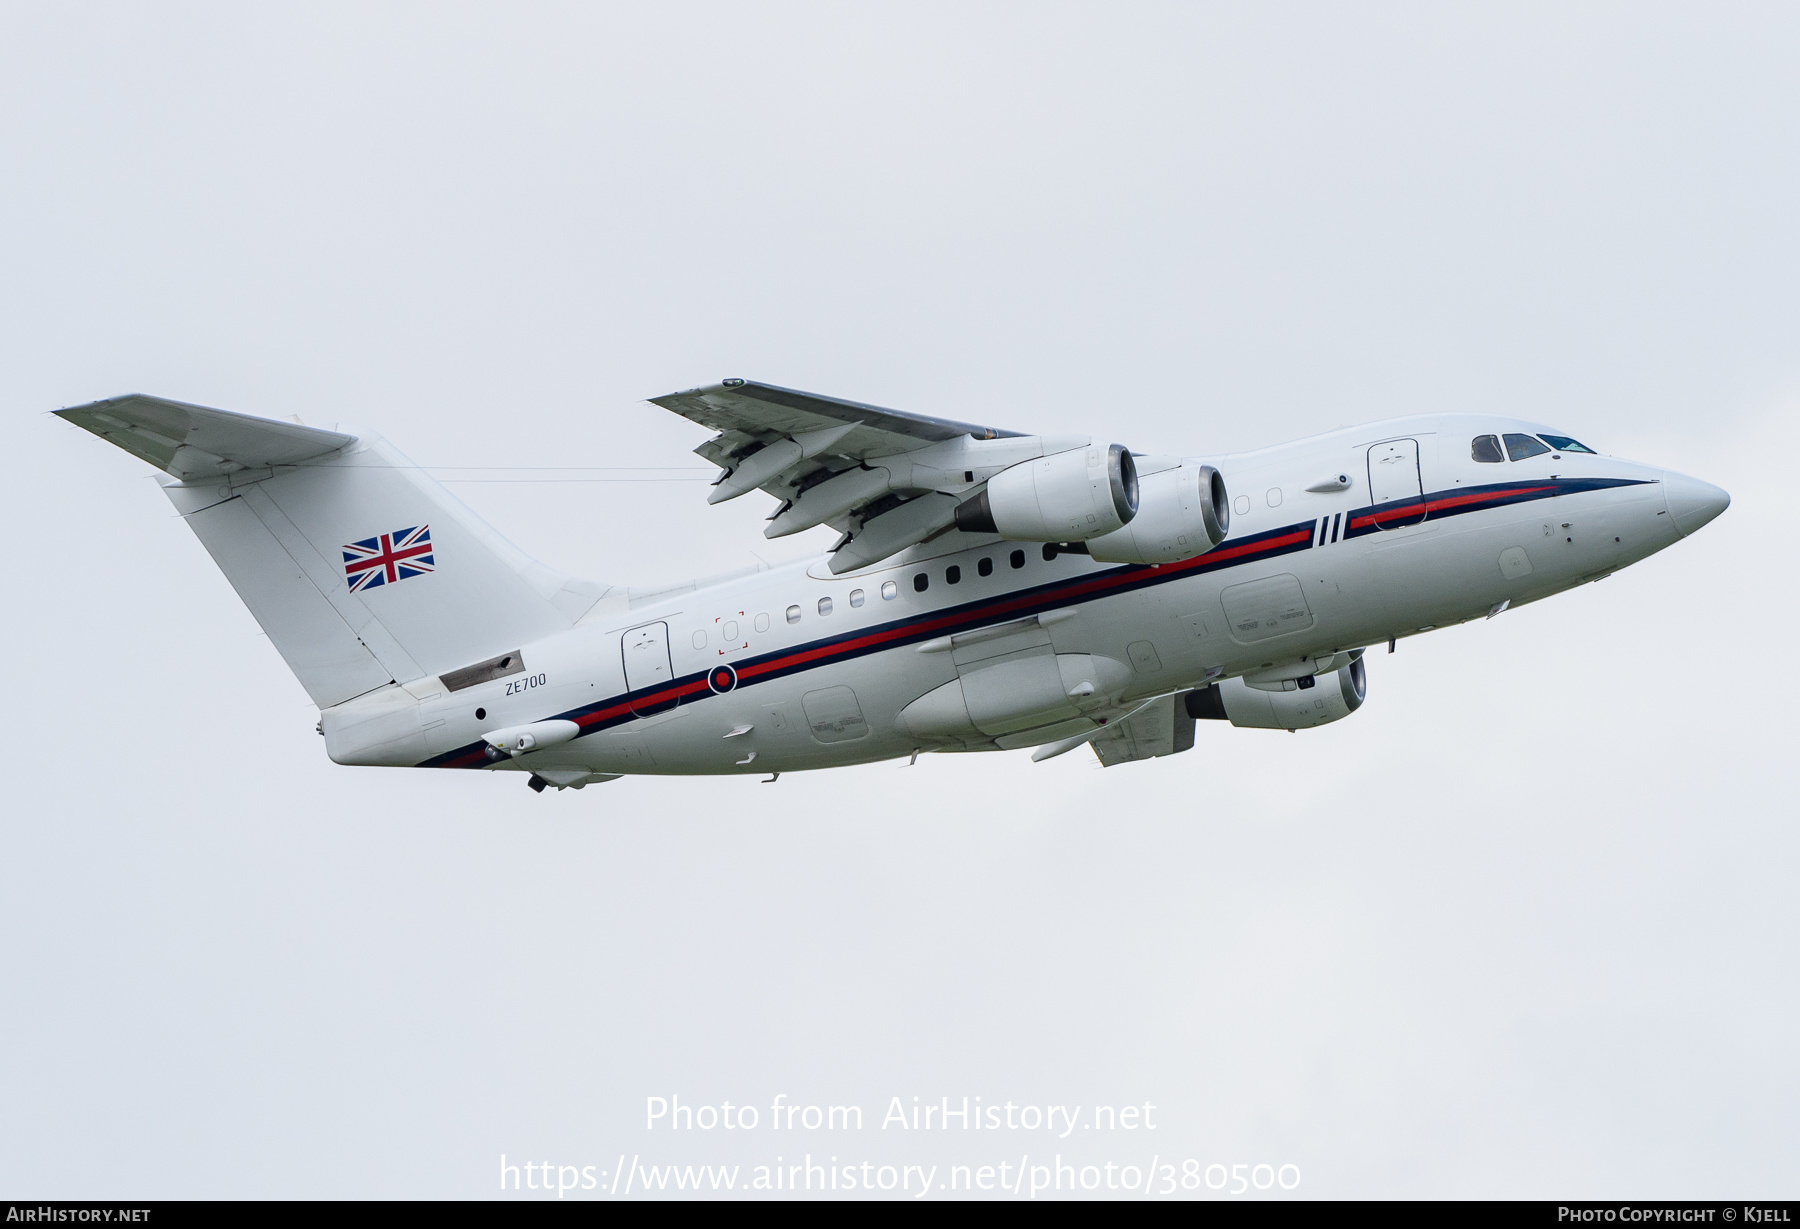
(856, 597)
(1518, 447)
(1017, 559)
(699, 640)
(952, 575)
(731, 631)
(793, 615)
(985, 567)
(1486, 449)
(824, 605)
(1049, 551)
(762, 622)
(921, 582)
(889, 590)
(1563, 443)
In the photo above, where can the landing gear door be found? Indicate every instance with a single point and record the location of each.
(647, 669)
(1395, 490)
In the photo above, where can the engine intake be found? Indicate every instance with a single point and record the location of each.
(1314, 700)
(1065, 497)
(1184, 512)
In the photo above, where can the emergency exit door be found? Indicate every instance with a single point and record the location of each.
(648, 673)
(1395, 488)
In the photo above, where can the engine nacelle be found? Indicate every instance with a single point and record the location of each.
(1182, 512)
(1064, 497)
(1314, 700)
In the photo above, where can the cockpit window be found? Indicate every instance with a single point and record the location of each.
(1518, 447)
(1486, 449)
(1563, 443)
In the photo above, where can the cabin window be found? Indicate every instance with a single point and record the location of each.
(700, 640)
(921, 582)
(824, 605)
(1017, 559)
(793, 614)
(1518, 447)
(889, 590)
(1563, 443)
(731, 631)
(985, 567)
(952, 575)
(1486, 449)
(762, 622)
(1049, 551)
(856, 597)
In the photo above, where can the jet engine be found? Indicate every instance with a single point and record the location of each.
(1182, 512)
(1312, 700)
(1064, 497)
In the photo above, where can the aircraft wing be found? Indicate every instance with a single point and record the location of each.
(1158, 728)
(883, 478)
(192, 442)
(749, 410)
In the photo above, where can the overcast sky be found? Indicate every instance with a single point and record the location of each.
(1525, 925)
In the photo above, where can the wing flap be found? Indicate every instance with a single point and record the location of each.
(1158, 728)
(884, 478)
(916, 520)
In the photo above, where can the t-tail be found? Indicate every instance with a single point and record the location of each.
(362, 569)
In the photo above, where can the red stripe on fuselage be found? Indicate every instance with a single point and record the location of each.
(999, 609)
(1435, 505)
(1074, 589)
(1471, 497)
(625, 708)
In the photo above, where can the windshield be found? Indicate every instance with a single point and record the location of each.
(1563, 443)
(1518, 447)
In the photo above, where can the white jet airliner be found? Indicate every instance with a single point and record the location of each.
(989, 590)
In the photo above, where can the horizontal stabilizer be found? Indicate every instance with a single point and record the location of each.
(192, 442)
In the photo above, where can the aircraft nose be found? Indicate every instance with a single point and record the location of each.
(1692, 503)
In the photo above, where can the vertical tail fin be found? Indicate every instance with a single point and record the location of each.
(361, 569)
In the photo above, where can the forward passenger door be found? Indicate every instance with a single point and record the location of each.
(647, 667)
(1395, 488)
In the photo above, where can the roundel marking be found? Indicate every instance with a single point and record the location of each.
(721, 679)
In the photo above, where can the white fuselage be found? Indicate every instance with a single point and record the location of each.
(822, 668)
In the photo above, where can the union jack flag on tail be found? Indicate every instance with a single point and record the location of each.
(378, 561)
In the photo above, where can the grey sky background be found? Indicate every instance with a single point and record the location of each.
(1525, 925)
